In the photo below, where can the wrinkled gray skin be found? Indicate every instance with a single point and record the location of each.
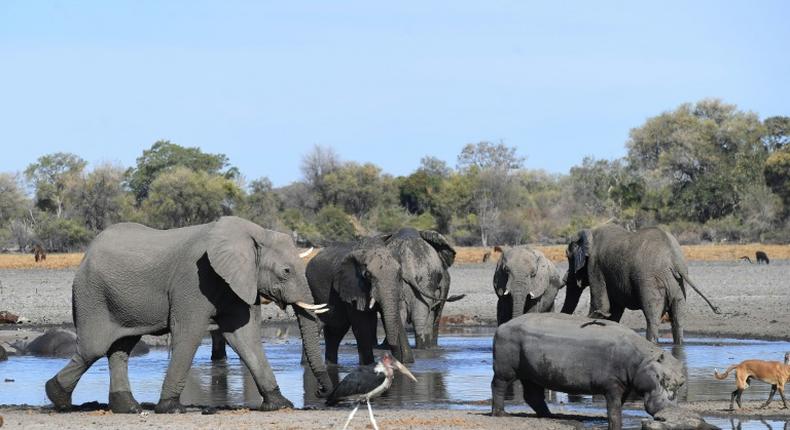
(578, 355)
(642, 270)
(525, 281)
(347, 277)
(136, 280)
(63, 343)
(424, 256)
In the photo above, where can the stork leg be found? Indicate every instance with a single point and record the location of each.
(372, 420)
(351, 416)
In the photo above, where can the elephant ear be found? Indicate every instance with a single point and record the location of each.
(350, 283)
(232, 252)
(441, 245)
(500, 275)
(582, 249)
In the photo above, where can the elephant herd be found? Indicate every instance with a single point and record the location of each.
(135, 280)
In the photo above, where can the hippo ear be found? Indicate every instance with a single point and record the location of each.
(441, 245)
(350, 282)
(233, 254)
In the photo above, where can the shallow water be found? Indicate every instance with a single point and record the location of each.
(455, 376)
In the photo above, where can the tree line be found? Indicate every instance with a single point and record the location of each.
(706, 170)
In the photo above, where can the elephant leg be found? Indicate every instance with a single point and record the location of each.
(599, 296)
(423, 325)
(437, 316)
(89, 349)
(617, 313)
(364, 325)
(333, 335)
(246, 341)
(121, 399)
(217, 346)
(678, 311)
(652, 311)
(535, 397)
(186, 337)
(504, 309)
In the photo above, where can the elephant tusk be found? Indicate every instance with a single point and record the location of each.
(320, 311)
(306, 253)
(530, 295)
(309, 306)
(507, 291)
(372, 303)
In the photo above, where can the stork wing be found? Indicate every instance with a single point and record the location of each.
(360, 381)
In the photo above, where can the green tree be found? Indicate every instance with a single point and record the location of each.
(60, 234)
(52, 175)
(358, 188)
(777, 175)
(777, 132)
(12, 199)
(262, 204)
(99, 199)
(183, 197)
(164, 156)
(334, 225)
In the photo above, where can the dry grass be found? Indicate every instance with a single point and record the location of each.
(556, 253)
(466, 254)
(53, 261)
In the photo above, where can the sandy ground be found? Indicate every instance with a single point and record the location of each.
(754, 299)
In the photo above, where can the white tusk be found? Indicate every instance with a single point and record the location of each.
(309, 306)
(372, 303)
(507, 291)
(530, 295)
(306, 253)
(320, 311)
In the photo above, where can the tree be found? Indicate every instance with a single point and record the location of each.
(51, 176)
(100, 197)
(777, 175)
(358, 188)
(486, 155)
(435, 167)
(164, 156)
(316, 165)
(334, 225)
(777, 132)
(262, 204)
(12, 199)
(183, 197)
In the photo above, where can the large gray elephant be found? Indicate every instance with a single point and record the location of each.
(357, 280)
(136, 280)
(525, 282)
(635, 270)
(425, 257)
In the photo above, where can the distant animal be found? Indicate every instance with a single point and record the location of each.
(39, 253)
(3, 354)
(63, 343)
(747, 259)
(762, 257)
(772, 372)
(367, 382)
(486, 256)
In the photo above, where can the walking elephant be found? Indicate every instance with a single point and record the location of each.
(634, 270)
(525, 282)
(425, 257)
(136, 280)
(358, 280)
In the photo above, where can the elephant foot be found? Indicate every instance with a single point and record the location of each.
(122, 402)
(499, 413)
(274, 400)
(169, 406)
(58, 395)
(599, 315)
(325, 385)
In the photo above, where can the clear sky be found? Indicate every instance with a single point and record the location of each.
(386, 82)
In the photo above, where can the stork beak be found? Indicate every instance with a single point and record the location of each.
(403, 369)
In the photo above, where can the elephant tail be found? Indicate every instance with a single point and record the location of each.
(726, 373)
(684, 277)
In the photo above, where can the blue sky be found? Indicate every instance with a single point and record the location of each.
(388, 83)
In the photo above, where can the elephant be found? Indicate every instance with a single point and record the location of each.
(636, 270)
(63, 343)
(525, 282)
(578, 355)
(358, 280)
(425, 257)
(137, 280)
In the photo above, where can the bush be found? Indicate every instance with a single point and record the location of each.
(334, 225)
(61, 235)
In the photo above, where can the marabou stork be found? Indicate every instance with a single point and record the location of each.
(367, 382)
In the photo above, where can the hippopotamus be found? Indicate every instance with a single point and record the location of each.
(579, 355)
(63, 343)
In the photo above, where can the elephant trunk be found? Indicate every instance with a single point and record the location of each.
(572, 294)
(423, 327)
(395, 333)
(308, 328)
(519, 299)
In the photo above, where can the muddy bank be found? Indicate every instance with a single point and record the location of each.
(41, 418)
(754, 299)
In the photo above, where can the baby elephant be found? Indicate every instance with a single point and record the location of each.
(578, 355)
(525, 282)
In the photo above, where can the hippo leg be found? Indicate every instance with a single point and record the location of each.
(614, 408)
(535, 397)
(498, 388)
(121, 399)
